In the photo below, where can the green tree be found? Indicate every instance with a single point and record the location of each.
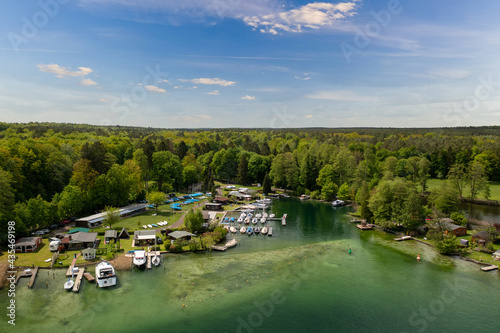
(459, 218)
(413, 210)
(476, 178)
(167, 168)
(193, 220)
(190, 175)
(344, 192)
(156, 198)
(69, 202)
(258, 167)
(7, 198)
(329, 191)
(112, 215)
(448, 245)
(424, 166)
(284, 171)
(458, 177)
(445, 198)
(266, 185)
(142, 161)
(243, 176)
(344, 165)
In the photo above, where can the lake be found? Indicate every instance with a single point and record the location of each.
(303, 279)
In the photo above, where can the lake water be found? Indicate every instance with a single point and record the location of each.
(302, 279)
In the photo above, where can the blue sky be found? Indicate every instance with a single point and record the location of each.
(260, 63)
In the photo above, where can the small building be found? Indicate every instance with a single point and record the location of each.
(222, 200)
(72, 231)
(481, 238)
(181, 234)
(206, 215)
(28, 244)
(496, 255)
(96, 220)
(124, 234)
(240, 196)
(213, 206)
(80, 240)
(110, 235)
(89, 254)
(144, 237)
(454, 229)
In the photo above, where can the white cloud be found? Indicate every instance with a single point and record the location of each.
(311, 16)
(61, 71)
(215, 92)
(214, 81)
(199, 117)
(303, 78)
(88, 82)
(155, 89)
(103, 100)
(248, 98)
(308, 116)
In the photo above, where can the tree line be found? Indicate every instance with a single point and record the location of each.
(50, 171)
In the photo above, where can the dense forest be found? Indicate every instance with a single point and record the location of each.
(50, 172)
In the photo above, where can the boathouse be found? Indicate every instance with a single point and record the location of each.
(28, 244)
(144, 237)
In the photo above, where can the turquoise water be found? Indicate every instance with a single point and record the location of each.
(301, 280)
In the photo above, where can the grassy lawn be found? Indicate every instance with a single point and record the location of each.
(494, 189)
(136, 222)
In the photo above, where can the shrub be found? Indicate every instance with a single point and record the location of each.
(459, 218)
(447, 245)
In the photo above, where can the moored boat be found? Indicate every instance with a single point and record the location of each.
(263, 220)
(247, 220)
(243, 230)
(105, 274)
(156, 260)
(233, 230)
(257, 230)
(231, 243)
(254, 220)
(338, 203)
(264, 231)
(140, 259)
(250, 230)
(69, 284)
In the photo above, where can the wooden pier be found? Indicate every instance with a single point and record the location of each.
(89, 277)
(283, 219)
(489, 268)
(78, 281)
(365, 226)
(32, 275)
(70, 269)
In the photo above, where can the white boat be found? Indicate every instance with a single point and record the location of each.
(243, 215)
(255, 220)
(231, 243)
(240, 220)
(338, 203)
(105, 274)
(140, 259)
(264, 201)
(69, 284)
(272, 216)
(156, 260)
(247, 220)
(264, 231)
(260, 205)
(305, 197)
(233, 230)
(264, 215)
(263, 220)
(258, 215)
(145, 226)
(150, 226)
(243, 230)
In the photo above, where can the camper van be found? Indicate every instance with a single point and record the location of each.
(54, 244)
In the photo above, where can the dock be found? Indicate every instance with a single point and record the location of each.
(32, 275)
(70, 269)
(365, 226)
(148, 263)
(270, 231)
(403, 238)
(89, 277)
(283, 219)
(489, 268)
(78, 281)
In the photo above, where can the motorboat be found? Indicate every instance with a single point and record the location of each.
(263, 220)
(264, 215)
(272, 216)
(243, 215)
(233, 230)
(338, 203)
(243, 230)
(231, 243)
(105, 274)
(264, 231)
(255, 220)
(156, 260)
(247, 220)
(305, 197)
(249, 230)
(258, 215)
(264, 201)
(69, 284)
(140, 258)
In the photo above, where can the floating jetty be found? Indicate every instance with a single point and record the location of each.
(283, 219)
(89, 277)
(365, 226)
(270, 231)
(489, 268)
(31, 274)
(403, 238)
(78, 281)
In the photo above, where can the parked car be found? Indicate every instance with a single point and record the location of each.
(54, 226)
(159, 240)
(45, 231)
(39, 233)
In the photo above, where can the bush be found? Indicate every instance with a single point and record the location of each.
(459, 218)
(447, 245)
